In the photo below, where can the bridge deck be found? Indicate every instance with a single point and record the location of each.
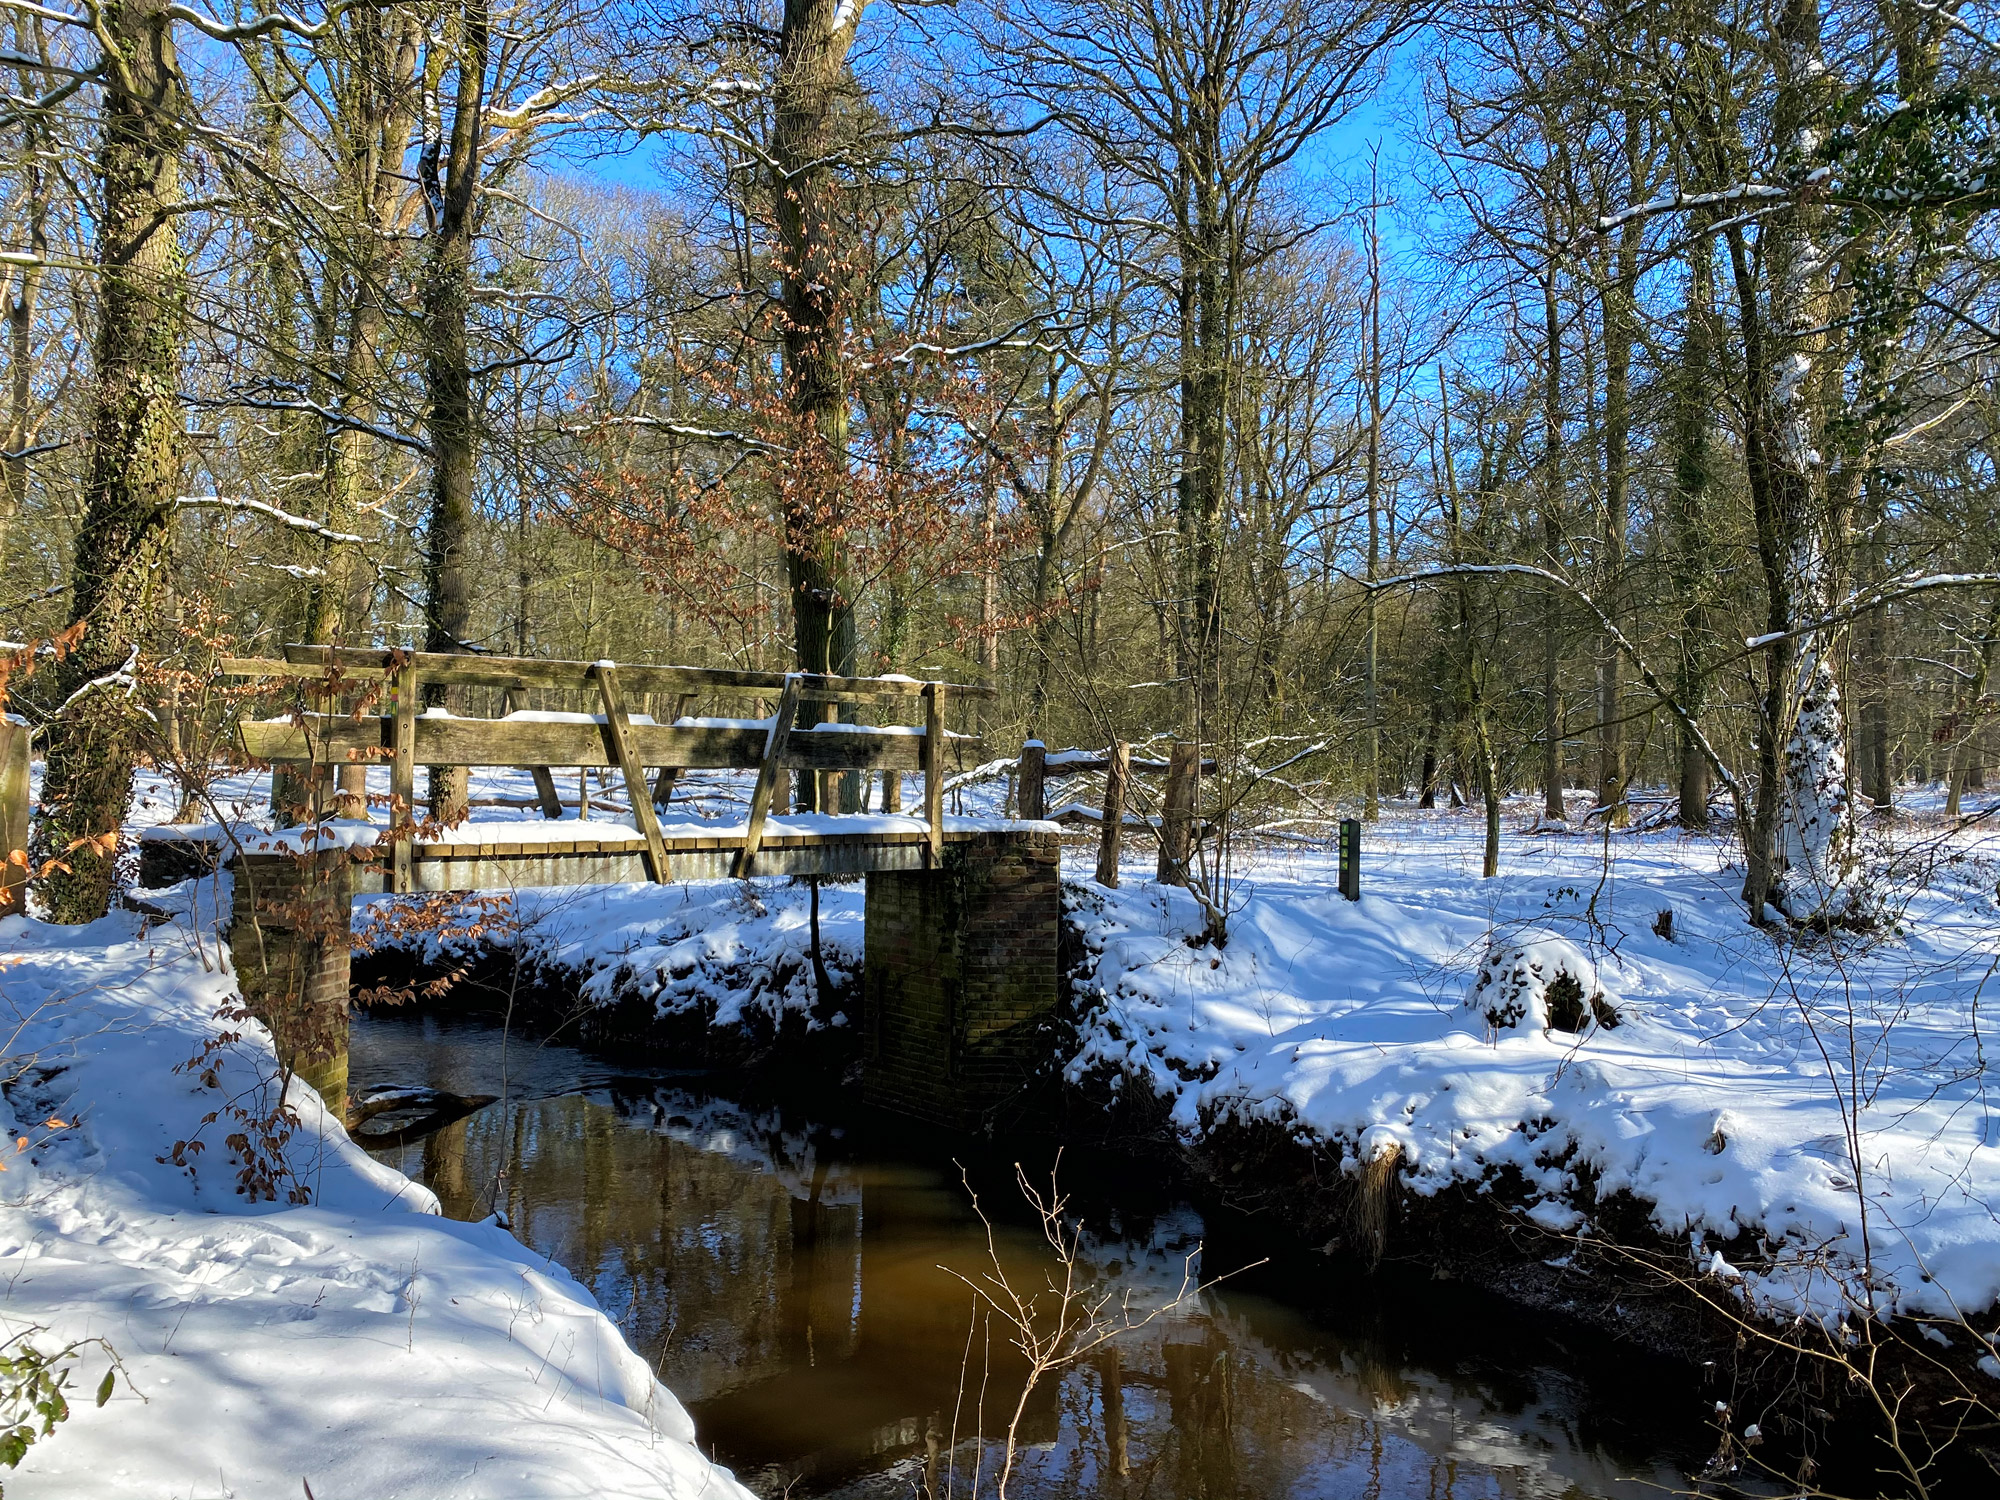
(502, 865)
(497, 856)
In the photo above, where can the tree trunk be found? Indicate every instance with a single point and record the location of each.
(1551, 509)
(1801, 852)
(134, 421)
(1967, 769)
(26, 284)
(1613, 771)
(1371, 755)
(1206, 288)
(1691, 533)
(377, 120)
(1871, 655)
(813, 46)
(447, 296)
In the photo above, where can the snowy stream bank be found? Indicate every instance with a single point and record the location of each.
(358, 1342)
(1709, 1074)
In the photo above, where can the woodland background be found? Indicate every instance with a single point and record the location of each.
(1411, 399)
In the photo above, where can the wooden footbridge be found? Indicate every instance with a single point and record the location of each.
(961, 914)
(801, 737)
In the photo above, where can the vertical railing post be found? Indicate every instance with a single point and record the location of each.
(1032, 801)
(934, 772)
(403, 781)
(1117, 771)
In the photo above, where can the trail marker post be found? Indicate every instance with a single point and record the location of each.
(1350, 858)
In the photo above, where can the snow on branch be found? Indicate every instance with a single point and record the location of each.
(1742, 192)
(223, 31)
(42, 12)
(1011, 339)
(539, 103)
(1874, 598)
(270, 512)
(992, 770)
(125, 677)
(35, 64)
(1616, 636)
(678, 429)
(1956, 22)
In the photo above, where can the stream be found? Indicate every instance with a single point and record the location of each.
(803, 1280)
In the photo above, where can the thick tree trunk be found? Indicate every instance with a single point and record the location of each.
(134, 420)
(813, 46)
(447, 296)
(1803, 853)
(378, 109)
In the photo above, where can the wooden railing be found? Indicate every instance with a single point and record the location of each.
(406, 736)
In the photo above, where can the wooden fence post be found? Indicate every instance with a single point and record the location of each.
(1032, 801)
(13, 817)
(934, 774)
(1117, 771)
(1177, 814)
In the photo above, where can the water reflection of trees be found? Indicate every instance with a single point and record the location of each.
(725, 1245)
(794, 1300)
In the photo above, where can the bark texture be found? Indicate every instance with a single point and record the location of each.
(452, 191)
(135, 424)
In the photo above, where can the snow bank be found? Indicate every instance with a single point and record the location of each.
(358, 1342)
(733, 951)
(1421, 1016)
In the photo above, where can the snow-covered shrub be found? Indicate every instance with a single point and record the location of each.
(1544, 980)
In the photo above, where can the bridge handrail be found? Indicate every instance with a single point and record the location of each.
(521, 673)
(406, 738)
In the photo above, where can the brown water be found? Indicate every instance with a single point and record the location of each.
(784, 1272)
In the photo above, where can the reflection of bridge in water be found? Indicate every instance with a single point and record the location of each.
(783, 1277)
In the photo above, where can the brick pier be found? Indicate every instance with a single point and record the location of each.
(960, 975)
(289, 937)
(960, 968)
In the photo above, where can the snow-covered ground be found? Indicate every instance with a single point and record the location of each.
(1805, 1109)
(355, 1344)
(1808, 1109)
(1814, 1115)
